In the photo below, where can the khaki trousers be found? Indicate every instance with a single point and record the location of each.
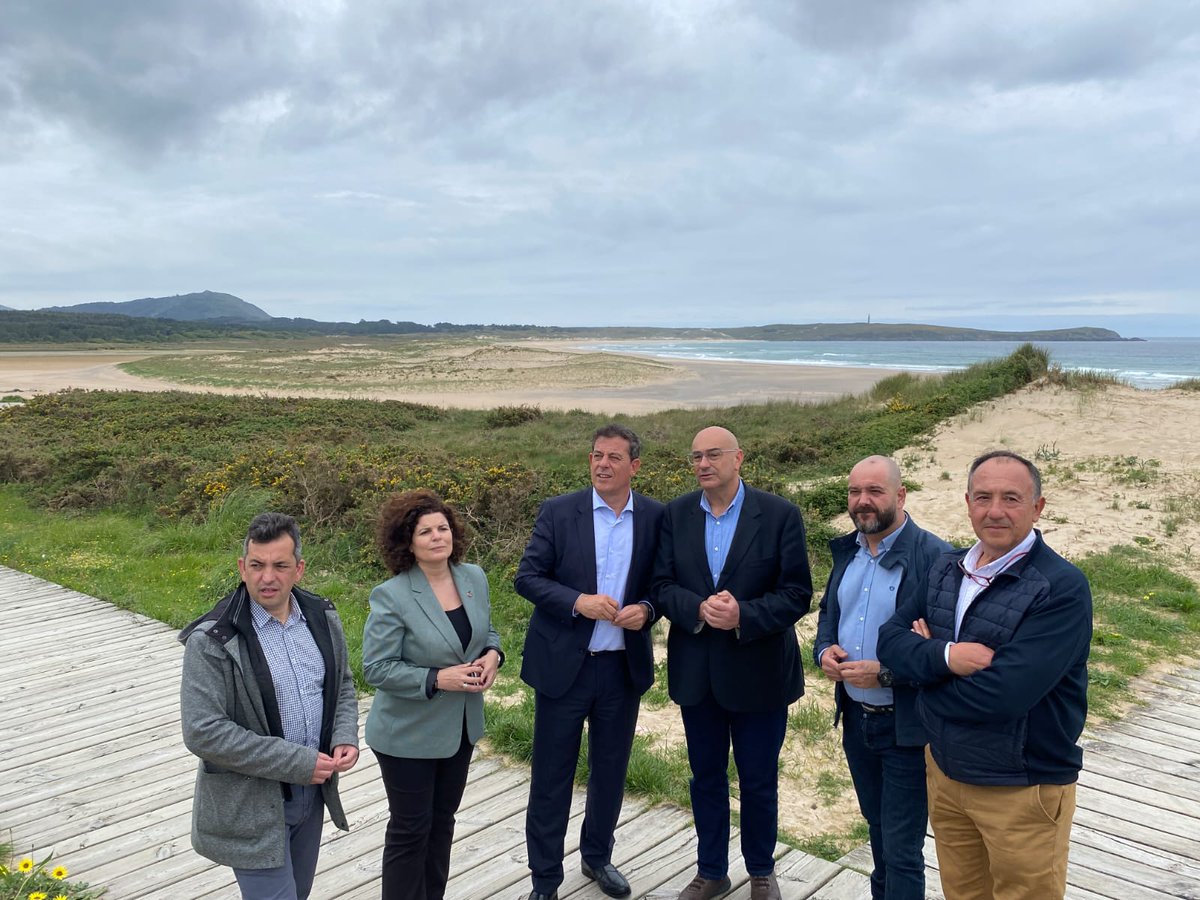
(1000, 842)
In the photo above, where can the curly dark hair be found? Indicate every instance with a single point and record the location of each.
(398, 519)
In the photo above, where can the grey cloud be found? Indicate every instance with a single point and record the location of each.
(147, 77)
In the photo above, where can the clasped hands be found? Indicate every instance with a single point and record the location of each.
(721, 611)
(344, 757)
(861, 673)
(604, 608)
(470, 677)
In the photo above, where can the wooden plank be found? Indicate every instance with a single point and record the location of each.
(1117, 766)
(1145, 835)
(1148, 797)
(1122, 848)
(1152, 752)
(1177, 740)
(846, 885)
(1103, 746)
(667, 887)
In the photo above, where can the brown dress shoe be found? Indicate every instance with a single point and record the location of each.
(703, 888)
(764, 887)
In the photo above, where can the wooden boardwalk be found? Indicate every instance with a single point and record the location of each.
(97, 773)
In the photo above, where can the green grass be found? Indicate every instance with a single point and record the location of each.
(832, 845)
(808, 721)
(1143, 612)
(1082, 379)
(1187, 384)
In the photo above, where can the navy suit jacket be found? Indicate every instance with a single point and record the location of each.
(755, 667)
(914, 551)
(560, 564)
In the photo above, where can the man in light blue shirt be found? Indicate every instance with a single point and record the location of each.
(885, 559)
(587, 655)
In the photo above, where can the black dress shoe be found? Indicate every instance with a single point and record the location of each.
(610, 880)
(538, 895)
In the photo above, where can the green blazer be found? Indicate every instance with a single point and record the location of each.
(407, 634)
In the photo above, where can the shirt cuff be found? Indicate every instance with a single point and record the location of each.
(431, 683)
(946, 652)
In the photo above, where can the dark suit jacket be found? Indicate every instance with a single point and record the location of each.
(755, 667)
(914, 551)
(560, 564)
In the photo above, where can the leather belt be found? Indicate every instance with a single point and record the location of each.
(876, 710)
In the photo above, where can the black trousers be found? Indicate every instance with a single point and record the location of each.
(423, 796)
(603, 696)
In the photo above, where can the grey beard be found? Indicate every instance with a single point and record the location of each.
(883, 521)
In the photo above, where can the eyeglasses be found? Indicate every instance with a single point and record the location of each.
(698, 456)
(986, 580)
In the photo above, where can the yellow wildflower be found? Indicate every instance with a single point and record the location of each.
(61, 897)
(59, 872)
(25, 865)
(37, 895)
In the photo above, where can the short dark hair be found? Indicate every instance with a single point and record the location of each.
(1007, 454)
(398, 519)
(271, 526)
(613, 430)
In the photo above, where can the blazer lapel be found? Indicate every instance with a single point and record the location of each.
(745, 535)
(695, 522)
(476, 614)
(428, 604)
(585, 531)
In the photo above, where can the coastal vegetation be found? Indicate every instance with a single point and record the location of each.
(142, 499)
(173, 322)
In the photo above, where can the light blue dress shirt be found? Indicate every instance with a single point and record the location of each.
(867, 599)
(297, 670)
(614, 555)
(719, 530)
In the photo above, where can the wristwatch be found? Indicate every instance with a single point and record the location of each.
(885, 677)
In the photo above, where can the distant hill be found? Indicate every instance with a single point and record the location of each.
(197, 307)
(183, 321)
(863, 331)
(3, 307)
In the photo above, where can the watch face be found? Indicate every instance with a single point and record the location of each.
(885, 678)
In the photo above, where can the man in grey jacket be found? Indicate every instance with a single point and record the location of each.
(268, 704)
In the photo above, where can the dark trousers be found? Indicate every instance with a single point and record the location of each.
(603, 695)
(890, 783)
(303, 815)
(756, 738)
(423, 796)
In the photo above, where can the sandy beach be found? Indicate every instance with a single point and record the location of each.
(636, 386)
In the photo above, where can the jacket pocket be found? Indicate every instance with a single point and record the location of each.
(980, 753)
(232, 805)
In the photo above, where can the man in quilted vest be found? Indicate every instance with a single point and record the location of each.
(999, 647)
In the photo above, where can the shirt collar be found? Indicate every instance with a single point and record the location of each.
(996, 566)
(737, 501)
(598, 502)
(262, 618)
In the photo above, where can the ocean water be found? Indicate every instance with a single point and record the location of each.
(1153, 363)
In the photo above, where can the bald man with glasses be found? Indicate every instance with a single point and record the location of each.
(732, 576)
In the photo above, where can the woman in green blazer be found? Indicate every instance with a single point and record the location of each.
(430, 651)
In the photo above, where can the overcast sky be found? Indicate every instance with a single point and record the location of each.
(689, 162)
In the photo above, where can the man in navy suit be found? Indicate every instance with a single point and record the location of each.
(732, 575)
(587, 655)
